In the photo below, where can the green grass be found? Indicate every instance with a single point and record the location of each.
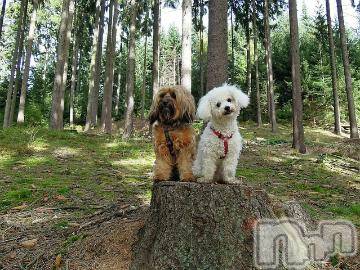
(320, 180)
(37, 166)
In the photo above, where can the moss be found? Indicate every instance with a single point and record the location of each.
(38, 162)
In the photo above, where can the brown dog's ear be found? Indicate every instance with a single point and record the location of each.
(186, 104)
(154, 115)
(187, 118)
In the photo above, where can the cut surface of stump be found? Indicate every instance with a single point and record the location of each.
(200, 226)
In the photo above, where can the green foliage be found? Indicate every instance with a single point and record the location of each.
(316, 79)
(43, 163)
(315, 69)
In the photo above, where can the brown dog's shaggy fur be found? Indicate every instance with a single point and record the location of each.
(172, 112)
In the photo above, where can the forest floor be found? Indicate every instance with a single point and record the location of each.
(71, 200)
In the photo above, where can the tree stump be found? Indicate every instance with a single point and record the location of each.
(200, 226)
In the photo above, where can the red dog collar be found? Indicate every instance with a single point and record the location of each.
(225, 140)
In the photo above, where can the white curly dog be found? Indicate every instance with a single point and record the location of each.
(221, 143)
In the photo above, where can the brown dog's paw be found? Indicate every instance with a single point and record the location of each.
(157, 180)
(188, 178)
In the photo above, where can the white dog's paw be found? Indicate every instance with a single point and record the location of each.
(233, 181)
(196, 171)
(203, 180)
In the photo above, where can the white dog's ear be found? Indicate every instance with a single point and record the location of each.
(204, 110)
(241, 98)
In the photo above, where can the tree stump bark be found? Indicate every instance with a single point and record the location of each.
(200, 226)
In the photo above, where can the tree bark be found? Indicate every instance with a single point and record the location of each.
(201, 64)
(354, 133)
(19, 68)
(217, 73)
(336, 105)
(297, 106)
(130, 78)
(106, 114)
(248, 56)
(186, 44)
(174, 61)
(156, 46)
(269, 67)
(2, 16)
(56, 118)
(256, 64)
(119, 77)
(14, 62)
(69, 28)
(94, 79)
(194, 226)
(21, 113)
(232, 37)
(75, 58)
(143, 87)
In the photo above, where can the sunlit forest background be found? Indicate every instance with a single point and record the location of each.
(314, 46)
(77, 79)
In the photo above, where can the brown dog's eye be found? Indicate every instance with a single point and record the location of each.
(229, 100)
(218, 104)
(173, 95)
(162, 95)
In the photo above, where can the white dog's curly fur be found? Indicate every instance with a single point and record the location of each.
(220, 108)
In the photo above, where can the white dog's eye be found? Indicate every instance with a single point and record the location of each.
(218, 104)
(229, 100)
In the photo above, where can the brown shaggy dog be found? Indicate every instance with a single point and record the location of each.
(171, 114)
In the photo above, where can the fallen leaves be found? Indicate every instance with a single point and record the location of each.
(61, 198)
(12, 255)
(58, 261)
(20, 207)
(29, 244)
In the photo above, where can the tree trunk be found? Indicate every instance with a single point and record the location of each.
(94, 80)
(186, 44)
(130, 78)
(20, 67)
(79, 77)
(217, 73)
(297, 106)
(143, 88)
(2, 16)
(336, 105)
(232, 38)
(156, 47)
(248, 58)
(118, 89)
(14, 62)
(193, 226)
(90, 122)
(75, 59)
(354, 133)
(106, 114)
(270, 74)
(21, 113)
(174, 66)
(66, 65)
(201, 64)
(56, 118)
(256, 64)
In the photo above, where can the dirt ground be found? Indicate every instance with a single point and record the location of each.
(102, 241)
(83, 210)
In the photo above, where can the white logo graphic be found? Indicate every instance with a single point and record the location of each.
(288, 241)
